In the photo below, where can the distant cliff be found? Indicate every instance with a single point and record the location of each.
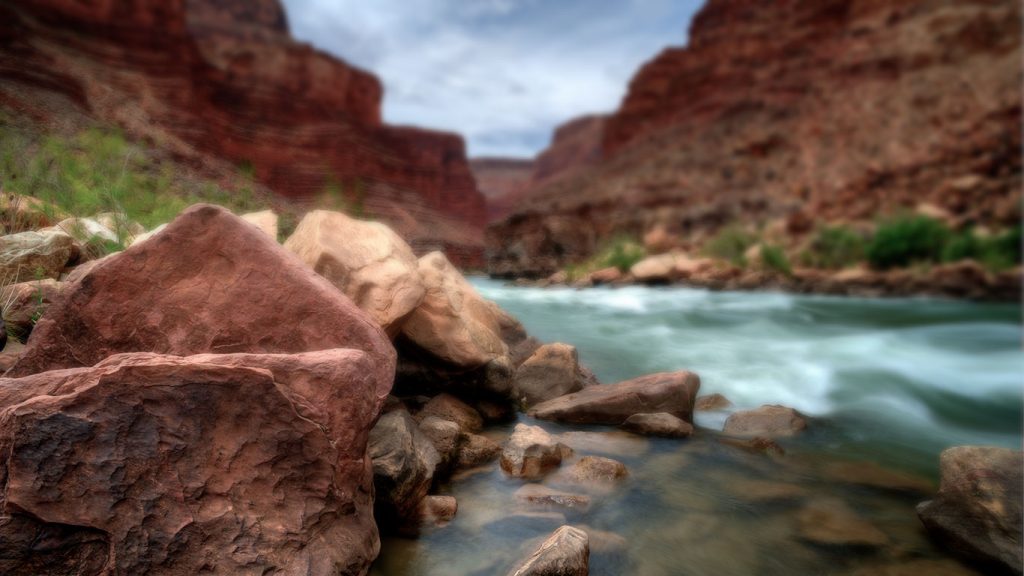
(224, 79)
(810, 110)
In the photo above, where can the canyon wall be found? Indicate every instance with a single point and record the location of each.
(223, 79)
(798, 110)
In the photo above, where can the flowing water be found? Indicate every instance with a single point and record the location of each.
(889, 384)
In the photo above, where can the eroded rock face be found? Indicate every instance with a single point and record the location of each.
(404, 460)
(209, 282)
(553, 370)
(977, 511)
(367, 261)
(769, 420)
(670, 392)
(208, 82)
(531, 452)
(565, 553)
(230, 464)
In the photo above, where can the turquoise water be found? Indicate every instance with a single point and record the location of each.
(888, 382)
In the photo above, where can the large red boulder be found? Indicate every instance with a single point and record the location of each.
(209, 282)
(219, 464)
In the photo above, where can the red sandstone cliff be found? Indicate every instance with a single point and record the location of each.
(835, 109)
(224, 79)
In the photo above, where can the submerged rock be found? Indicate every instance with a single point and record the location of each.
(219, 463)
(438, 511)
(874, 476)
(659, 424)
(209, 283)
(670, 392)
(711, 402)
(830, 522)
(543, 496)
(769, 420)
(531, 452)
(565, 553)
(594, 471)
(977, 511)
(367, 261)
(553, 370)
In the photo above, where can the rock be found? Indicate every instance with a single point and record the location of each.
(444, 435)
(565, 553)
(122, 226)
(830, 522)
(93, 239)
(495, 412)
(874, 476)
(12, 351)
(657, 240)
(712, 402)
(594, 471)
(215, 463)
(531, 452)
(35, 255)
(265, 220)
(24, 303)
(976, 513)
(404, 460)
(929, 210)
(476, 451)
(438, 511)
(768, 420)
(753, 257)
(540, 495)
(454, 323)
(532, 521)
(139, 239)
(660, 424)
(366, 260)
(20, 212)
(916, 568)
(451, 408)
(610, 442)
(608, 275)
(757, 444)
(656, 269)
(764, 490)
(671, 392)
(604, 542)
(553, 370)
(209, 283)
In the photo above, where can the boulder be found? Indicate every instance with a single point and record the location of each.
(553, 370)
(20, 212)
(670, 392)
(830, 522)
(93, 239)
(451, 408)
(768, 420)
(453, 322)
(531, 452)
(444, 435)
(656, 269)
(658, 240)
(977, 511)
(265, 220)
(119, 223)
(367, 261)
(565, 553)
(225, 464)
(209, 283)
(659, 424)
(35, 255)
(607, 275)
(476, 451)
(438, 511)
(712, 402)
(404, 460)
(140, 238)
(25, 302)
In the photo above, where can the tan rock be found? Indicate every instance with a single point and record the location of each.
(553, 370)
(119, 223)
(657, 424)
(366, 260)
(657, 268)
(35, 255)
(147, 235)
(830, 522)
(565, 553)
(265, 220)
(531, 452)
(476, 450)
(874, 476)
(671, 392)
(712, 402)
(437, 510)
(594, 472)
(769, 420)
(451, 408)
(606, 275)
(542, 496)
(658, 240)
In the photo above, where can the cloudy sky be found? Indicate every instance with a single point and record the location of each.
(503, 73)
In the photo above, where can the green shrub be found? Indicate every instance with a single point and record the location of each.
(907, 240)
(995, 252)
(730, 243)
(835, 247)
(774, 258)
(621, 253)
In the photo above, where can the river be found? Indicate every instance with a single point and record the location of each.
(888, 382)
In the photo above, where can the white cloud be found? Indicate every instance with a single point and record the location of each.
(503, 73)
